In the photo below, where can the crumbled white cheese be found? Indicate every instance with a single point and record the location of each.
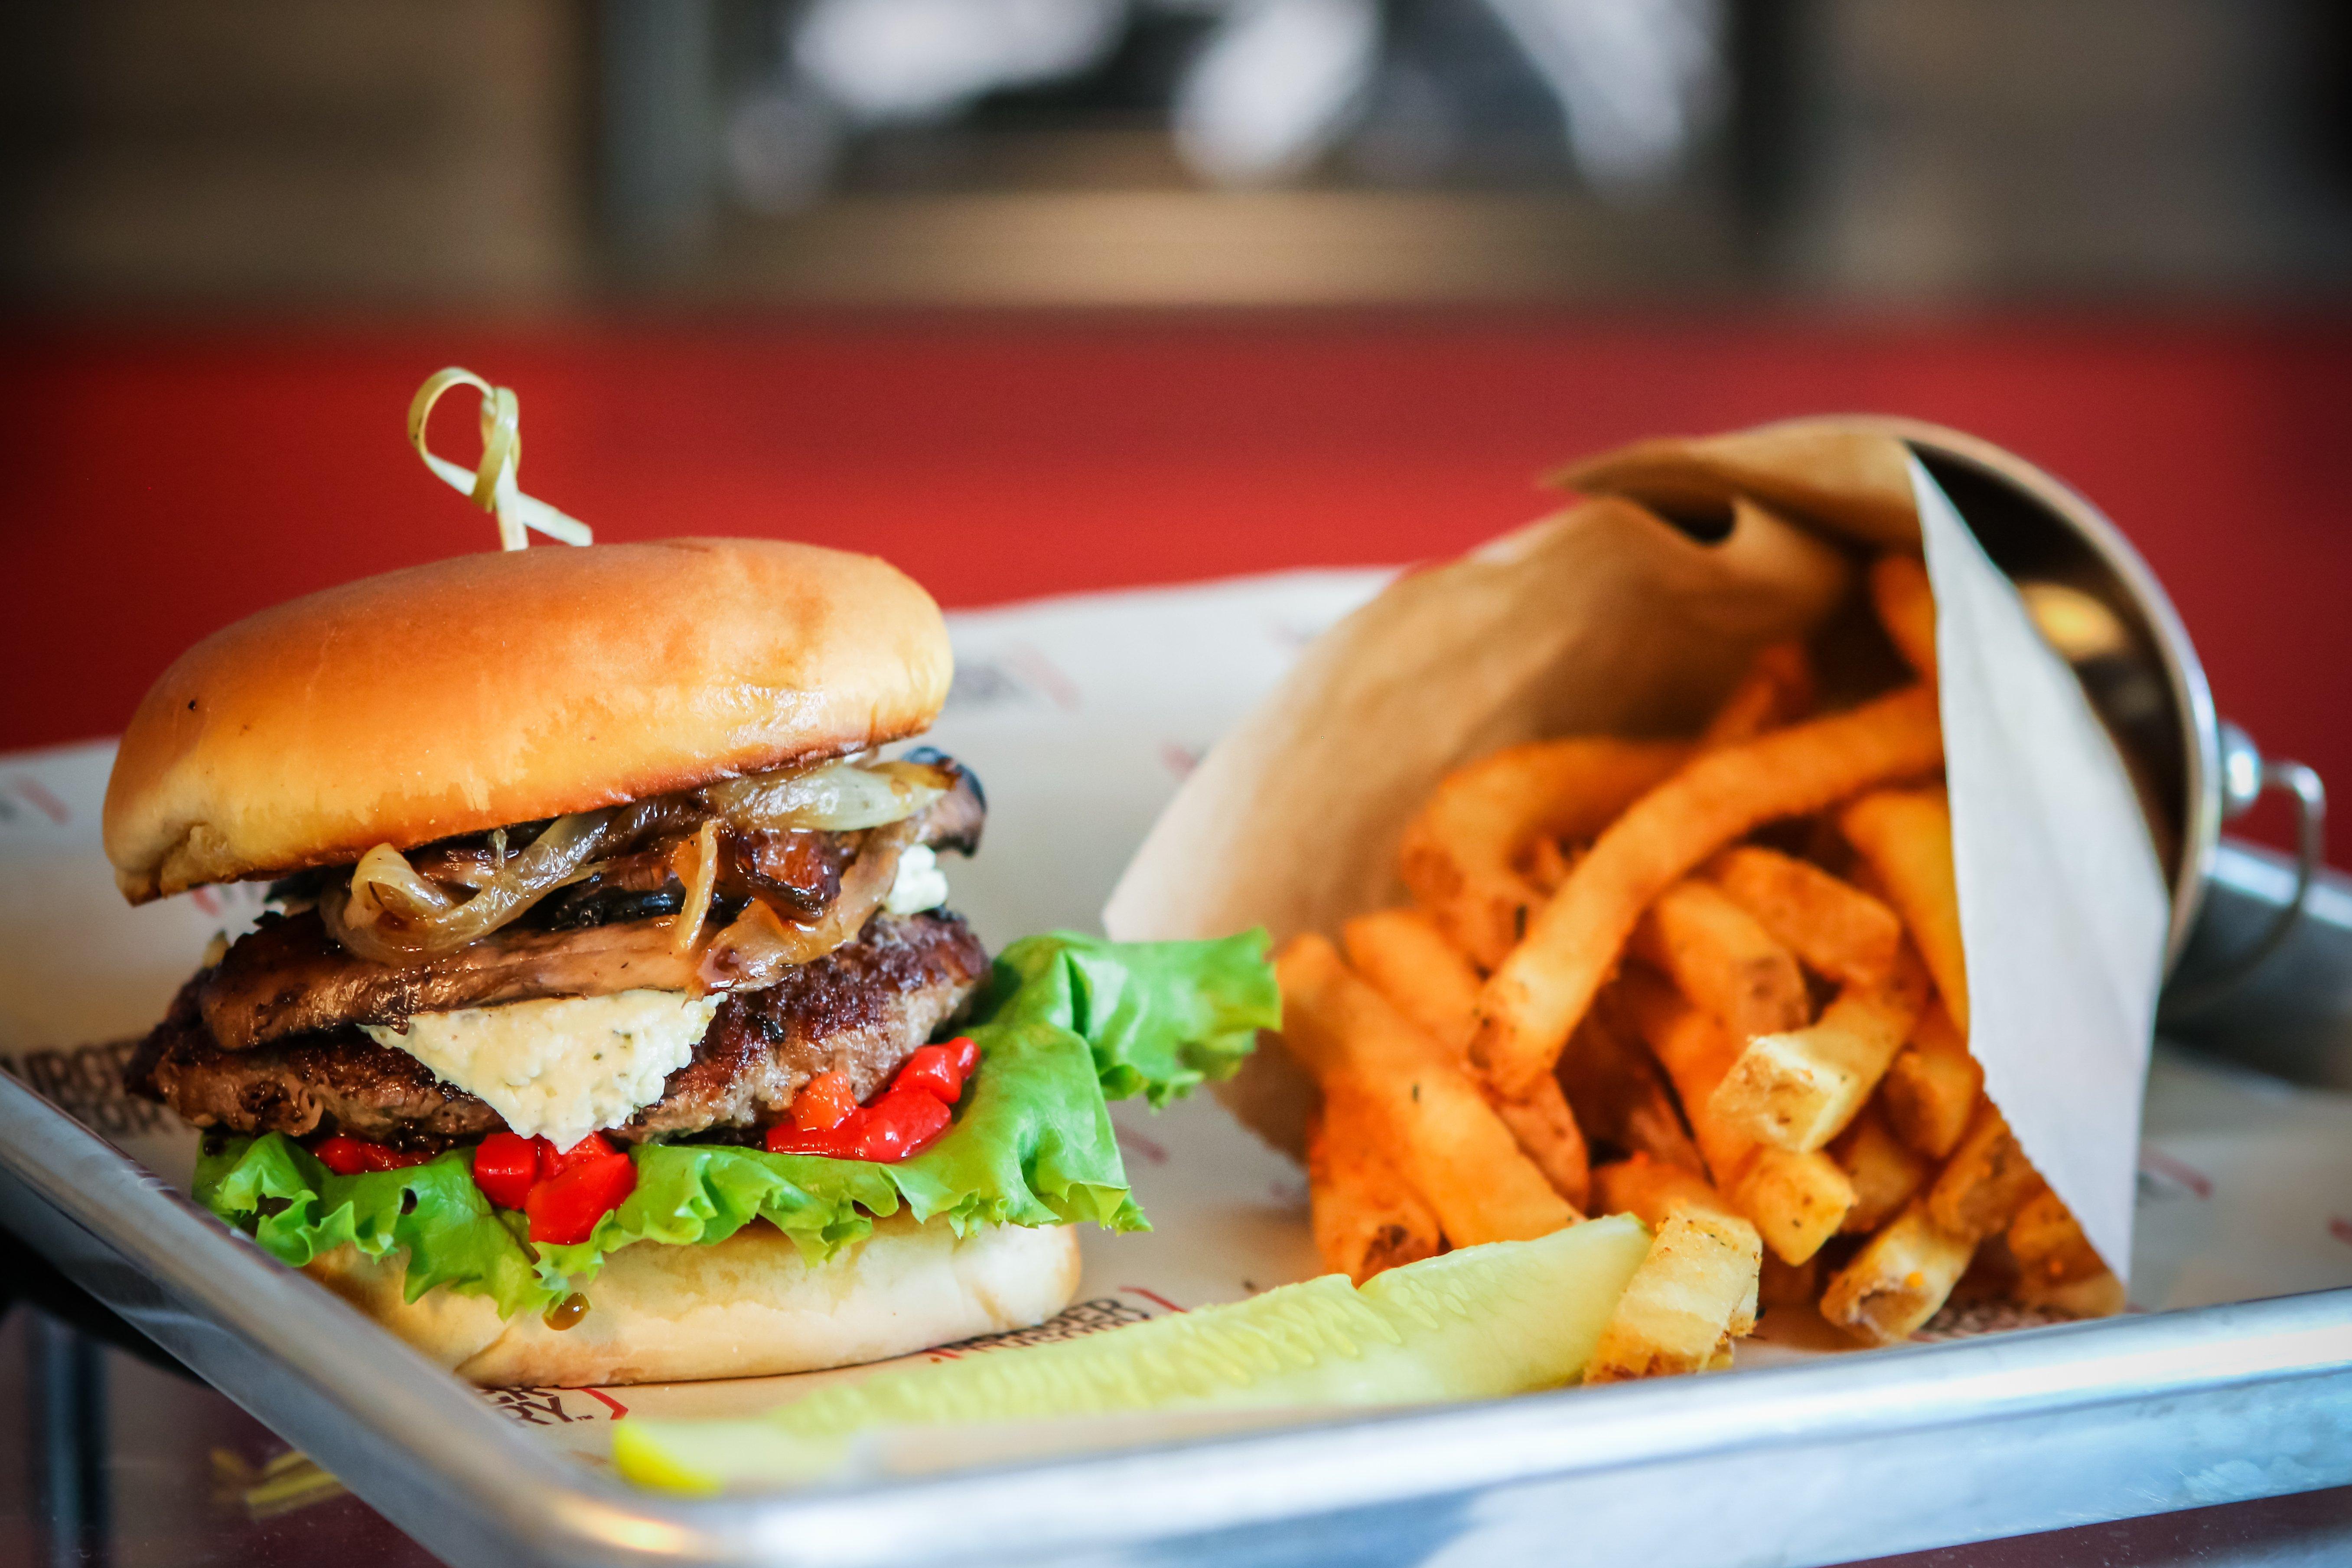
(919, 885)
(562, 1067)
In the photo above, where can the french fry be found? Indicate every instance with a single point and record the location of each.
(2049, 1246)
(1692, 1295)
(1899, 1279)
(1456, 855)
(1696, 1052)
(1425, 1111)
(1899, 592)
(1366, 1218)
(1652, 1189)
(1549, 1135)
(1538, 995)
(1776, 688)
(1796, 1201)
(1620, 1099)
(1788, 1284)
(2100, 1295)
(1798, 1089)
(1720, 957)
(1836, 929)
(1931, 1089)
(1985, 1181)
(1906, 836)
(1547, 866)
(1409, 961)
(1886, 1172)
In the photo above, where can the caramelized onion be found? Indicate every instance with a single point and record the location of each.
(393, 915)
(399, 911)
(837, 797)
(395, 888)
(761, 944)
(698, 883)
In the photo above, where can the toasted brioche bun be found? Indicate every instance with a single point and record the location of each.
(745, 1307)
(507, 687)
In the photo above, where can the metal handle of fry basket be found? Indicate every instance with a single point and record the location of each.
(2246, 776)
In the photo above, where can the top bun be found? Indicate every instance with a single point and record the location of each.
(501, 688)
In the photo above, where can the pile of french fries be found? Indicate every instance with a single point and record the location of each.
(1715, 983)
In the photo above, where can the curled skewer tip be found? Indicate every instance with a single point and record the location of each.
(490, 485)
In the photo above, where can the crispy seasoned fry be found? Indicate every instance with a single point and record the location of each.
(1365, 1217)
(1776, 689)
(1788, 1284)
(1696, 1052)
(1897, 1280)
(1619, 1097)
(2049, 1246)
(1985, 1181)
(1408, 960)
(1797, 1201)
(1931, 1089)
(1836, 929)
(1652, 1189)
(1718, 956)
(1546, 864)
(1549, 1135)
(1456, 855)
(1427, 1112)
(2099, 1295)
(1886, 1172)
(1907, 608)
(1798, 1090)
(1538, 996)
(1692, 1295)
(1906, 836)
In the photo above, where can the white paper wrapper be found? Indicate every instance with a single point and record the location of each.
(1605, 620)
(1082, 716)
(2063, 906)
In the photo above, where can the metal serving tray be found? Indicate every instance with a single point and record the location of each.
(1842, 1457)
(1819, 1462)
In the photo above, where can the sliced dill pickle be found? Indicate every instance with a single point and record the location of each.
(1509, 1317)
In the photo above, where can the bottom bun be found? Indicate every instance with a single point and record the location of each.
(748, 1306)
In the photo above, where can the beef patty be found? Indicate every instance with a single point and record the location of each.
(862, 1009)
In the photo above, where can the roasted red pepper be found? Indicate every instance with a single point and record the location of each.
(824, 1102)
(565, 1206)
(505, 1166)
(833, 1142)
(349, 1156)
(564, 1191)
(938, 1070)
(903, 1120)
(554, 1162)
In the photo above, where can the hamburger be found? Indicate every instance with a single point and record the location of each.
(606, 1022)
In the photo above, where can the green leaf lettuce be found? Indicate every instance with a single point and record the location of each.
(1064, 1023)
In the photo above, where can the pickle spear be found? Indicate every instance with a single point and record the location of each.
(1509, 1317)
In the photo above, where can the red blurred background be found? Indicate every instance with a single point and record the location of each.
(165, 482)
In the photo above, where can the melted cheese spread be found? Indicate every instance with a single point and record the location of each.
(919, 885)
(562, 1067)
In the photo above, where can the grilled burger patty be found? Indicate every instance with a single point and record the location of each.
(862, 1009)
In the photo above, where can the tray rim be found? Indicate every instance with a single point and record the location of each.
(351, 1396)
